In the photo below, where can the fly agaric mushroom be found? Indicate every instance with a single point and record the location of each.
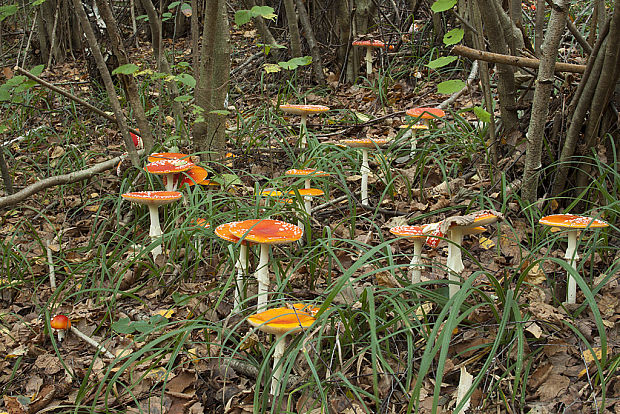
(426, 114)
(369, 45)
(169, 169)
(455, 228)
(61, 324)
(416, 234)
(307, 173)
(411, 132)
(304, 111)
(153, 199)
(265, 232)
(572, 224)
(365, 144)
(195, 175)
(281, 322)
(156, 156)
(223, 232)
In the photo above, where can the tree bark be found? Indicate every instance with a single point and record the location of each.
(210, 93)
(540, 106)
(128, 81)
(317, 65)
(293, 28)
(506, 83)
(107, 80)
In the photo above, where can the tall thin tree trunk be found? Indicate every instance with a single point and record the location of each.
(540, 106)
(293, 29)
(129, 83)
(317, 65)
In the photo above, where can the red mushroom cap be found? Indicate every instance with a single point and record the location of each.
(365, 142)
(266, 231)
(306, 172)
(371, 43)
(426, 113)
(223, 232)
(60, 322)
(195, 175)
(572, 221)
(168, 166)
(157, 198)
(409, 231)
(167, 156)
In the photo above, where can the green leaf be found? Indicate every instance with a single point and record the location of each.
(36, 3)
(441, 62)
(37, 70)
(294, 63)
(442, 5)
(222, 112)
(242, 17)
(271, 68)
(143, 17)
(123, 326)
(451, 86)
(127, 69)
(265, 12)
(482, 114)
(453, 37)
(173, 5)
(228, 180)
(185, 6)
(186, 79)
(7, 11)
(183, 98)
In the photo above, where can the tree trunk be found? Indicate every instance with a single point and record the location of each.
(317, 65)
(128, 81)
(506, 83)
(540, 106)
(210, 92)
(293, 29)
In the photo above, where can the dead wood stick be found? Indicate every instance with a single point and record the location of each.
(60, 179)
(66, 94)
(50, 263)
(513, 60)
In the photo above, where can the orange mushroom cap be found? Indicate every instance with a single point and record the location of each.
(223, 232)
(266, 231)
(413, 126)
(195, 175)
(158, 198)
(426, 113)
(201, 222)
(572, 221)
(60, 322)
(409, 231)
(372, 43)
(306, 172)
(308, 192)
(365, 142)
(303, 109)
(168, 166)
(279, 321)
(167, 156)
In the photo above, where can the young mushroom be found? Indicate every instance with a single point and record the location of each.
(304, 111)
(265, 232)
(365, 144)
(417, 235)
(154, 199)
(572, 224)
(61, 324)
(369, 45)
(281, 322)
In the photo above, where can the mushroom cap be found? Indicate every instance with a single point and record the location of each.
(153, 198)
(223, 232)
(485, 217)
(60, 322)
(137, 140)
(372, 43)
(426, 113)
(276, 194)
(166, 156)
(308, 192)
(201, 222)
(168, 166)
(195, 175)
(303, 109)
(413, 126)
(474, 230)
(365, 142)
(416, 232)
(306, 172)
(209, 183)
(312, 310)
(280, 321)
(266, 231)
(572, 221)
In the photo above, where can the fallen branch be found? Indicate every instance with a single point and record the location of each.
(59, 180)
(50, 263)
(519, 61)
(66, 94)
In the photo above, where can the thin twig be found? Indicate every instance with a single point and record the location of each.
(91, 341)
(50, 263)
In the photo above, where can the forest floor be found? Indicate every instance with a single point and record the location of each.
(171, 358)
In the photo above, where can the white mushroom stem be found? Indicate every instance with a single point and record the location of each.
(307, 183)
(155, 229)
(278, 353)
(364, 170)
(262, 276)
(416, 268)
(304, 131)
(91, 341)
(241, 270)
(571, 257)
(368, 60)
(171, 184)
(455, 261)
(61, 334)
